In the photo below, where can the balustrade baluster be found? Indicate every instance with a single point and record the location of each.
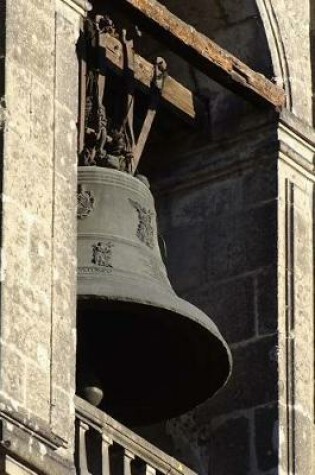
(83, 464)
(128, 458)
(104, 446)
(106, 443)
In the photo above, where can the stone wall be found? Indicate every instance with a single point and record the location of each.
(296, 297)
(218, 216)
(38, 113)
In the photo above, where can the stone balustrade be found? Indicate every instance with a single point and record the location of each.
(106, 447)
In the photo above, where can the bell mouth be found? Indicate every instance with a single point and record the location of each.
(152, 363)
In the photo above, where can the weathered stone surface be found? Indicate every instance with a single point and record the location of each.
(260, 184)
(230, 450)
(267, 309)
(231, 306)
(242, 243)
(292, 17)
(185, 263)
(296, 303)
(37, 397)
(13, 374)
(38, 272)
(266, 437)
(252, 383)
(235, 207)
(223, 13)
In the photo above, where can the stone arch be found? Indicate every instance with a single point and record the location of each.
(289, 31)
(276, 46)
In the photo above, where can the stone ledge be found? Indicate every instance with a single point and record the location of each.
(29, 424)
(21, 449)
(80, 6)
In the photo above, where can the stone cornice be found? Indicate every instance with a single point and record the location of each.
(80, 6)
(297, 141)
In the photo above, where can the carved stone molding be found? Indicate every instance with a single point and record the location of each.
(18, 445)
(80, 6)
(297, 142)
(277, 49)
(296, 285)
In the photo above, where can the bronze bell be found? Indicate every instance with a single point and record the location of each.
(150, 354)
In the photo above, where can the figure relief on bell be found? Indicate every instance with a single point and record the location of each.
(145, 230)
(85, 202)
(102, 255)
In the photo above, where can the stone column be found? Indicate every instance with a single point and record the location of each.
(296, 296)
(38, 143)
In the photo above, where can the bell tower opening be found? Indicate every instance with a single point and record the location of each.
(144, 354)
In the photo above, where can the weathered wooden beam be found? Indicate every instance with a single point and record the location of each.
(203, 53)
(173, 93)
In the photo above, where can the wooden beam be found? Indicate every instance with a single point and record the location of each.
(203, 53)
(174, 94)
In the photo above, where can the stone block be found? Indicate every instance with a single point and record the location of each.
(62, 413)
(223, 13)
(186, 208)
(266, 437)
(65, 144)
(33, 45)
(42, 119)
(197, 205)
(243, 243)
(260, 184)
(66, 60)
(230, 305)
(267, 301)
(63, 349)
(253, 381)
(40, 248)
(13, 375)
(237, 11)
(28, 178)
(19, 85)
(38, 390)
(238, 40)
(31, 339)
(230, 447)
(186, 256)
(303, 440)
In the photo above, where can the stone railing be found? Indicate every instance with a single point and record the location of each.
(106, 447)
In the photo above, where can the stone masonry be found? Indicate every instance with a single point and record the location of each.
(225, 221)
(236, 210)
(38, 111)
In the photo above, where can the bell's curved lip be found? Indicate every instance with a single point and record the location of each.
(151, 294)
(176, 348)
